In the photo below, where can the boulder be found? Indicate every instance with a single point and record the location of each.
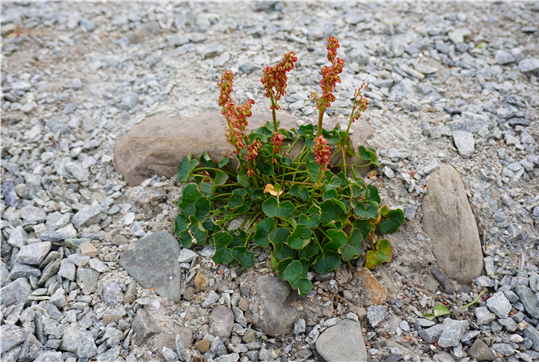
(450, 223)
(153, 262)
(159, 143)
(342, 343)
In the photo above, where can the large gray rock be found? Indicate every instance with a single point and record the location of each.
(450, 223)
(18, 237)
(529, 300)
(30, 349)
(159, 143)
(87, 279)
(528, 65)
(85, 217)
(342, 342)
(15, 292)
(153, 262)
(277, 316)
(143, 327)
(221, 321)
(34, 254)
(11, 336)
(50, 356)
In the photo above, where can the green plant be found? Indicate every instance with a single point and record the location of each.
(289, 200)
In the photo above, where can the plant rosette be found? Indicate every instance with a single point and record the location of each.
(308, 214)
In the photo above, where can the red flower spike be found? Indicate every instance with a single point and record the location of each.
(252, 150)
(360, 103)
(275, 79)
(330, 75)
(277, 141)
(322, 152)
(333, 44)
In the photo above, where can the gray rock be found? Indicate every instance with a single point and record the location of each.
(152, 262)
(453, 332)
(51, 235)
(299, 326)
(342, 343)
(112, 294)
(16, 291)
(211, 299)
(444, 282)
(98, 265)
(24, 271)
(504, 349)
(221, 322)
(532, 334)
(529, 300)
(30, 349)
(170, 355)
(180, 348)
(239, 316)
(503, 57)
(464, 142)
(143, 327)
(266, 355)
(50, 269)
(528, 65)
(129, 101)
(33, 254)
(58, 298)
(86, 217)
(230, 358)
(89, 26)
(484, 281)
(87, 279)
(247, 68)
(21, 86)
(409, 211)
(217, 347)
(8, 191)
(68, 269)
(509, 324)
(450, 223)
(11, 336)
(499, 305)
(18, 237)
(376, 314)
(178, 39)
(277, 316)
(431, 334)
(86, 347)
(484, 316)
(109, 355)
(49, 357)
(403, 89)
(187, 256)
(431, 168)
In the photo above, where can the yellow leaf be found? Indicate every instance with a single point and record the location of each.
(269, 188)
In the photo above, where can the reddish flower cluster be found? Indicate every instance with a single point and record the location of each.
(360, 103)
(277, 141)
(252, 153)
(236, 116)
(322, 152)
(275, 78)
(330, 75)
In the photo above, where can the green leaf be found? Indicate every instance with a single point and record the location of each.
(365, 227)
(223, 162)
(382, 253)
(278, 238)
(333, 183)
(313, 169)
(332, 211)
(258, 194)
(202, 207)
(190, 195)
(309, 251)
(300, 237)
(264, 131)
(311, 221)
(263, 228)
(239, 239)
(265, 168)
(207, 188)
(326, 262)
(438, 310)
(281, 266)
(186, 239)
(332, 136)
(246, 259)
(293, 274)
(186, 167)
(309, 142)
(205, 158)
(222, 254)
(272, 209)
(286, 160)
(220, 177)
(353, 247)
(338, 237)
(180, 224)
(237, 198)
(222, 238)
(372, 194)
(394, 219)
(243, 179)
(329, 194)
(366, 211)
(302, 193)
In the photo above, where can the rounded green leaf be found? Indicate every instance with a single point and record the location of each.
(327, 262)
(272, 209)
(338, 237)
(186, 167)
(311, 221)
(246, 258)
(300, 237)
(331, 211)
(365, 227)
(181, 224)
(382, 253)
(222, 255)
(366, 211)
(393, 220)
(263, 228)
(329, 194)
(292, 273)
(302, 193)
(372, 194)
(222, 238)
(223, 162)
(190, 195)
(353, 247)
(220, 177)
(309, 251)
(237, 198)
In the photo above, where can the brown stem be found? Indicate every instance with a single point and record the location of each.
(320, 118)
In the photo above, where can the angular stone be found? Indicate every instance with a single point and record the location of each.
(88, 249)
(450, 223)
(49, 356)
(342, 343)
(187, 256)
(30, 349)
(24, 271)
(18, 237)
(51, 235)
(277, 316)
(528, 65)
(85, 217)
(464, 142)
(529, 300)
(143, 327)
(86, 347)
(499, 304)
(8, 191)
(533, 335)
(504, 349)
(170, 355)
(50, 269)
(203, 345)
(153, 262)
(68, 269)
(112, 294)
(404, 89)
(221, 321)
(59, 298)
(378, 293)
(33, 254)
(180, 348)
(453, 331)
(11, 336)
(376, 314)
(484, 316)
(218, 347)
(159, 143)
(503, 57)
(109, 356)
(33, 214)
(432, 333)
(87, 279)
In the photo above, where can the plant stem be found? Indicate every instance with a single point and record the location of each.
(474, 301)
(273, 106)
(320, 118)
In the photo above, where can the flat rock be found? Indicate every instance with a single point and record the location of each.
(529, 300)
(87, 279)
(528, 65)
(464, 142)
(10, 337)
(153, 262)
(33, 254)
(499, 305)
(453, 332)
(480, 351)
(143, 327)
(378, 293)
(159, 143)
(50, 356)
(277, 316)
(221, 321)
(342, 342)
(450, 223)
(85, 217)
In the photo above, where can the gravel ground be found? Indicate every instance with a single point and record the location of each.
(449, 83)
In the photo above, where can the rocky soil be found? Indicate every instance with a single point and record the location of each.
(90, 268)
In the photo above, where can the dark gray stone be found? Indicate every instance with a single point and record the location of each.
(529, 300)
(143, 327)
(8, 191)
(432, 333)
(23, 271)
(533, 335)
(218, 347)
(342, 342)
(87, 279)
(504, 349)
(444, 282)
(153, 262)
(221, 321)
(277, 316)
(51, 235)
(480, 351)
